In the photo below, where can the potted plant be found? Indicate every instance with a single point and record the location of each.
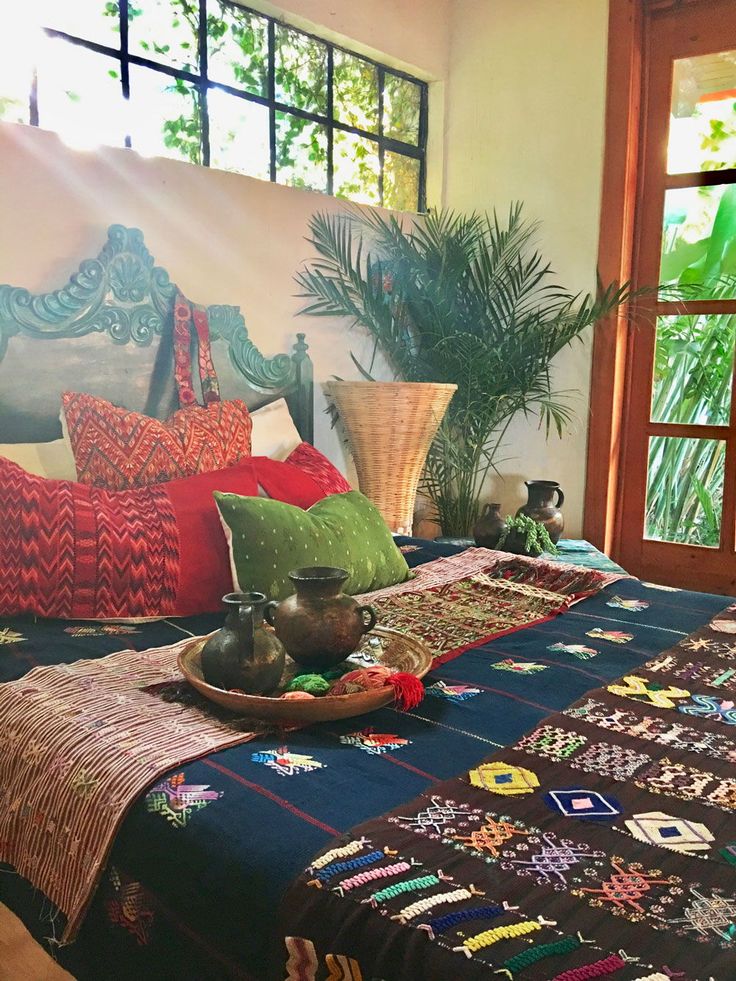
(523, 535)
(461, 300)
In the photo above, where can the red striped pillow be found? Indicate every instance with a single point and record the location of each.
(312, 462)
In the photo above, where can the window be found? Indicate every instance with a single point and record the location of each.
(220, 85)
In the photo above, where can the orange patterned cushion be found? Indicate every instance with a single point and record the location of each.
(119, 450)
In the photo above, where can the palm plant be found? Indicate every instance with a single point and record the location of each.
(464, 299)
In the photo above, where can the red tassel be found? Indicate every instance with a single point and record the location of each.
(408, 690)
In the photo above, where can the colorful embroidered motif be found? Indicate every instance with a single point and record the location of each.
(627, 887)
(8, 636)
(101, 630)
(729, 853)
(709, 707)
(128, 905)
(632, 605)
(674, 779)
(342, 968)
(587, 805)
(642, 690)
(552, 860)
(615, 636)
(406, 549)
(677, 834)
(610, 760)
(178, 801)
(702, 671)
(502, 778)
(285, 763)
(724, 795)
(490, 836)
(453, 693)
(712, 914)
(84, 784)
(577, 650)
(520, 667)
(302, 963)
(552, 742)
(342, 851)
(374, 742)
(441, 817)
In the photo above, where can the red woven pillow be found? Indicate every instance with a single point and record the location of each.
(120, 450)
(312, 462)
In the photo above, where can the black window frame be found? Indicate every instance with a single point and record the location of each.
(204, 84)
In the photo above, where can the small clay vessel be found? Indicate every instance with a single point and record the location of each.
(541, 507)
(243, 653)
(487, 529)
(320, 625)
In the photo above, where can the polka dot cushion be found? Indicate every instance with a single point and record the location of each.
(268, 539)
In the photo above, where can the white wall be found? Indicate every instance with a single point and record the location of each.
(525, 121)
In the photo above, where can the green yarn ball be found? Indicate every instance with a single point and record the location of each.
(312, 684)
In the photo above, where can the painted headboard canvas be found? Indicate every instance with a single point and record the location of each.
(109, 331)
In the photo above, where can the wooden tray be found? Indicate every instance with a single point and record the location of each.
(403, 652)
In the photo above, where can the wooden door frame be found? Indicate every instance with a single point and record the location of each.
(610, 382)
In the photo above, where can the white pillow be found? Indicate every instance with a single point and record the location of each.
(53, 460)
(274, 433)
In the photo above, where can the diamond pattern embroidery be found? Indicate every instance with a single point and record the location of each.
(503, 778)
(586, 804)
(658, 828)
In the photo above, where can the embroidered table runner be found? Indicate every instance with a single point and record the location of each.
(603, 843)
(468, 599)
(78, 745)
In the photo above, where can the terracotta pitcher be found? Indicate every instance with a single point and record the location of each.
(541, 507)
(320, 625)
(243, 653)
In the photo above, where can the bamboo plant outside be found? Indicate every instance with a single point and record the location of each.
(390, 427)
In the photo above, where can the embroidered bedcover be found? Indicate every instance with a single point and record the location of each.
(204, 857)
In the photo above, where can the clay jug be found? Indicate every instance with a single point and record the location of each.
(542, 508)
(243, 653)
(320, 625)
(487, 529)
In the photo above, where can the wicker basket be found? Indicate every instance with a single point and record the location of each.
(390, 426)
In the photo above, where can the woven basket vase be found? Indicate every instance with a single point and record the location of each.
(390, 426)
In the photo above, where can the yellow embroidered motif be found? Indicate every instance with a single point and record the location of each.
(503, 778)
(642, 690)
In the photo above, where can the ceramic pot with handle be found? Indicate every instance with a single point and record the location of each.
(320, 625)
(542, 507)
(243, 654)
(487, 529)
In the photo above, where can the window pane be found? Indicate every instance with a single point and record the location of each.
(93, 20)
(693, 368)
(301, 70)
(703, 120)
(79, 94)
(237, 48)
(355, 91)
(165, 116)
(401, 102)
(165, 31)
(239, 135)
(356, 168)
(16, 73)
(400, 182)
(301, 152)
(685, 490)
(699, 242)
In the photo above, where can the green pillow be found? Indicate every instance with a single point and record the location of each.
(268, 539)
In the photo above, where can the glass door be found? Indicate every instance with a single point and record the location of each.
(678, 516)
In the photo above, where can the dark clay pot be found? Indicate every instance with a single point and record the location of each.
(487, 529)
(320, 625)
(542, 507)
(243, 653)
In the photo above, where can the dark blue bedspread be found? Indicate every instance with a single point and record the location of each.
(202, 861)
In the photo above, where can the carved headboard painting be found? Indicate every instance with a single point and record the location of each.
(109, 331)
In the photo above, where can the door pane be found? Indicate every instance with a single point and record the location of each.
(685, 490)
(693, 369)
(239, 135)
(301, 152)
(699, 243)
(165, 116)
(703, 120)
(237, 48)
(356, 168)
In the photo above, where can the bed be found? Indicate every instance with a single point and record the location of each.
(207, 877)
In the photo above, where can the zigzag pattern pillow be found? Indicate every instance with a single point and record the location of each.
(121, 450)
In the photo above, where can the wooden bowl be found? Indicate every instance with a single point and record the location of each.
(400, 651)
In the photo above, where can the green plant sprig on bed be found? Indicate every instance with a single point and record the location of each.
(533, 535)
(464, 299)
